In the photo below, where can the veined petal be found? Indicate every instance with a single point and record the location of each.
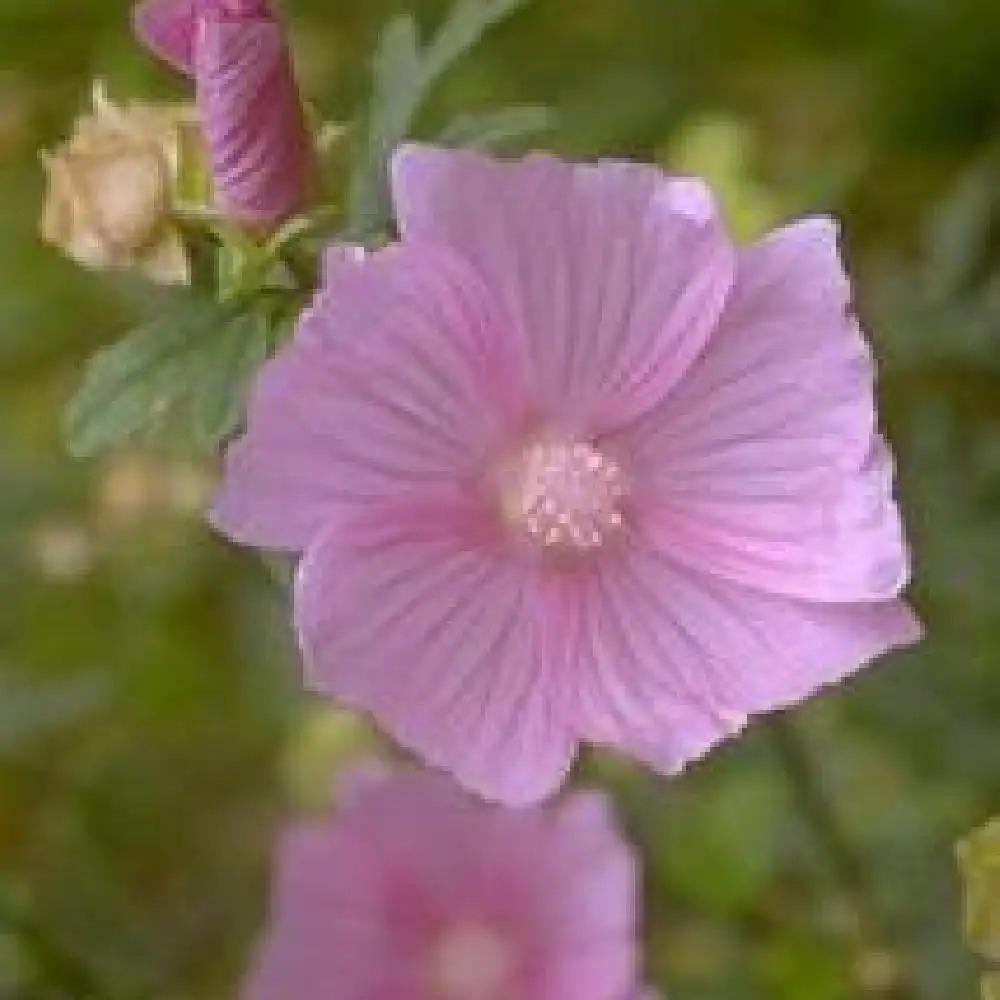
(672, 660)
(613, 274)
(407, 611)
(765, 465)
(399, 380)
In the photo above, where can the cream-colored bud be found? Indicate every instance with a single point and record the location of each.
(112, 185)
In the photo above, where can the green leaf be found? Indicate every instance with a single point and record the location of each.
(398, 64)
(467, 23)
(181, 376)
(397, 86)
(402, 75)
(493, 130)
(217, 407)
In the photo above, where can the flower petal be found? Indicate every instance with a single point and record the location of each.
(261, 149)
(407, 612)
(613, 274)
(671, 660)
(586, 924)
(362, 899)
(295, 960)
(765, 464)
(398, 380)
(167, 28)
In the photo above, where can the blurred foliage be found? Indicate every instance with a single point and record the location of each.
(151, 729)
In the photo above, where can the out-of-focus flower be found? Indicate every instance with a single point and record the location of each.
(63, 552)
(879, 972)
(566, 465)
(720, 149)
(111, 189)
(416, 891)
(979, 863)
(260, 147)
(137, 489)
(327, 740)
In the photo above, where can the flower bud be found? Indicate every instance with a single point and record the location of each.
(111, 189)
(260, 147)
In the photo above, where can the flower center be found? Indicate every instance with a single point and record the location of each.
(471, 962)
(566, 495)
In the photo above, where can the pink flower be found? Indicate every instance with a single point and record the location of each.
(567, 466)
(418, 892)
(252, 115)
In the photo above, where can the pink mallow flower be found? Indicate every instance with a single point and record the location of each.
(416, 891)
(254, 124)
(566, 465)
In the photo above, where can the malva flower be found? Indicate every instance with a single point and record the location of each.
(416, 891)
(566, 465)
(260, 148)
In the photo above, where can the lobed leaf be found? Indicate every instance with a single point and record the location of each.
(466, 24)
(183, 375)
(397, 81)
(494, 130)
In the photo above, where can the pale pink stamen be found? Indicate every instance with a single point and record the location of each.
(471, 962)
(566, 495)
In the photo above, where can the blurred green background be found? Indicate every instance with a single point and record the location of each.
(151, 729)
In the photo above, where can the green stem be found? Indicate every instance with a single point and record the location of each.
(846, 861)
(303, 267)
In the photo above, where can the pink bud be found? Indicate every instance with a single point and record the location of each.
(252, 115)
(246, 8)
(167, 28)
